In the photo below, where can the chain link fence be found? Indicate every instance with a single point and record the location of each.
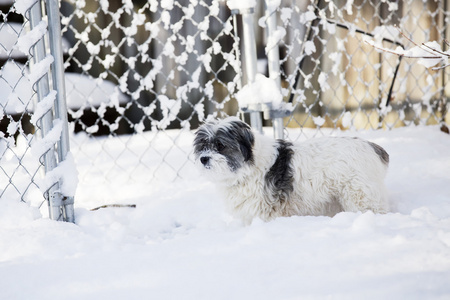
(135, 70)
(35, 164)
(337, 80)
(147, 66)
(19, 171)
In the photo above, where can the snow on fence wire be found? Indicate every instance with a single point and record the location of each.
(136, 70)
(336, 79)
(33, 115)
(142, 69)
(149, 66)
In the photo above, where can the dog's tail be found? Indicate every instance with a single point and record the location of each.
(384, 156)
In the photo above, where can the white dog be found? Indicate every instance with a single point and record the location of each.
(268, 178)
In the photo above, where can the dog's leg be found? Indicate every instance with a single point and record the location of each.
(360, 196)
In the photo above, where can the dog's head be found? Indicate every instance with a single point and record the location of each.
(223, 147)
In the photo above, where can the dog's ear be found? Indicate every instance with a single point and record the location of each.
(200, 139)
(203, 135)
(245, 138)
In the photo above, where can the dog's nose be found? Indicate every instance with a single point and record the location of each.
(204, 160)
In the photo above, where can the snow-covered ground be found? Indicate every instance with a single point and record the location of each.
(178, 243)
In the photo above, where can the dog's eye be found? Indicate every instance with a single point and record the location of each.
(220, 146)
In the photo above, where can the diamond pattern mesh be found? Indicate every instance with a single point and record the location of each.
(137, 69)
(343, 82)
(170, 64)
(19, 170)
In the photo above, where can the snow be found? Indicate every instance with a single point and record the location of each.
(82, 89)
(349, 7)
(22, 6)
(241, 4)
(16, 40)
(66, 174)
(16, 91)
(44, 106)
(429, 54)
(347, 119)
(323, 81)
(43, 145)
(9, 33)
(206, 60)
(40, 69)
(167, 4)
(12, 127)
(286, 14)
(272, 5)
(310, 48)
(26, 41)
(318, 121)
(275, 38)
(262, 90)
(179, 243)
(170, 109)
(307, 16)
(421, 51)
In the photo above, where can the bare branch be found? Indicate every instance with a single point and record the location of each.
(404, 35)
(435, 50)
(440, 67)
(414, 43)
(437, 54)
(402, 54)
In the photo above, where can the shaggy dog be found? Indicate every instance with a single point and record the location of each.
(268, 178)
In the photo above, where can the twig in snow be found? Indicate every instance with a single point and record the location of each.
(114, 205)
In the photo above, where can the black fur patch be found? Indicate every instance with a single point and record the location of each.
(384, 156)
(280, 177)
(243, 134)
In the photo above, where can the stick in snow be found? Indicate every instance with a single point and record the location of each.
(114, 205)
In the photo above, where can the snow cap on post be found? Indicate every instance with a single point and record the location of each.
(262, 94)
(262, 90)
(241, 5)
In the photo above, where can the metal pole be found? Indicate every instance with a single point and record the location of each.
(54, 28)
(250, 60)
(46, 122)
(236, 48)
(273, 58)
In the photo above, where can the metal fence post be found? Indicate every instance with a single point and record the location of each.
(249, 41)
(46, 121)
(273, 59)
(54, 25)
(60, 206)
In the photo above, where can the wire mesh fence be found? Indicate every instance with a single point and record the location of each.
(135, 70)
(148, 66)
(338, 80)
(34, 134)
(18, 168)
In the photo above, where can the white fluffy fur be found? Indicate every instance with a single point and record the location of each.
(330, 175)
